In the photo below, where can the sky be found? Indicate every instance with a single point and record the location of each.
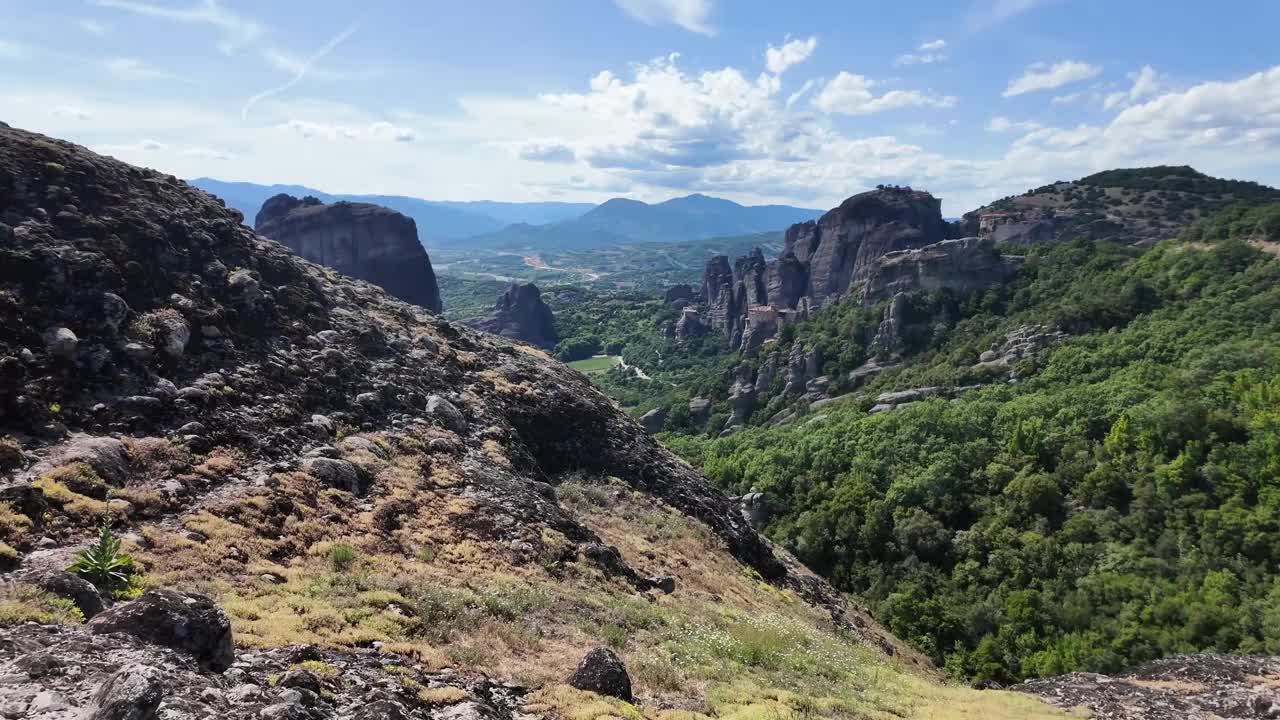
(800, 102)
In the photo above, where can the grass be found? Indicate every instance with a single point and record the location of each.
(595, 364)
(21, 603)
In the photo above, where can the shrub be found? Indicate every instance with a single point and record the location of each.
(103, 564)
(342, 556)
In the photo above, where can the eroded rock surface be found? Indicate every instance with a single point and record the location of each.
(1196, 687)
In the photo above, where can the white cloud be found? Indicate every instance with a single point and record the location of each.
(548, 152)
(1043, 77)
(1001, 124)
(133, 69)
(381, 130)
(926, 53)
(692, 15)
(93, 27)
(851, 94)
(1066, 99)
(792, 52)
(71, 111)
(237, 31)
(1145, 84)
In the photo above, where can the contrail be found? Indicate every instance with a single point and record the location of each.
(302, 71)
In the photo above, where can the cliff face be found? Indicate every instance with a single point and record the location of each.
(364, 241)
(875, 244)
(521, 314)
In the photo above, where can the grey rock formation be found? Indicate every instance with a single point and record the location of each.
(690, 324)
(131, 693)
(654, 420)
(184, 621)
(601, 671)
(963, 265)
(742, 397)
(364, 241)
(1021, 343)
(63, 584)
(521, 314)
(699, 411)
(888, 341)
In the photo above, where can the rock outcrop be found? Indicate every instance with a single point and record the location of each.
(520, 314)
(183, 621)
(364, 241)
(1183, 686)
(602, 672)
(876, 244)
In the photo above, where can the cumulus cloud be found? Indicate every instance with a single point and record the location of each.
(237, 31)
(926, 53)
(792, 52)
(551, 152)
(692, 15)
(851, 94)
(1042, 76)
(1145, 84)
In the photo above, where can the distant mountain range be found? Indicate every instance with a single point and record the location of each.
(544, 225)
(620, 221)
(438, 221)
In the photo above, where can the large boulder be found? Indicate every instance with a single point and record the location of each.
(603, 672)
(132, 693)
(184, 621)
(67, 586)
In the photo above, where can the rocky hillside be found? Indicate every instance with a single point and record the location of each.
(340, 505)
(520, 314)
(361, 240)
(1137, 206)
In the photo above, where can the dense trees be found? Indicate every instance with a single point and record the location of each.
(1119, 503)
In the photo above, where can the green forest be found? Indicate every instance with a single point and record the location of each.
(1120, 502)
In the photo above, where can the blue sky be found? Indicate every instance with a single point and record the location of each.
(800, 102)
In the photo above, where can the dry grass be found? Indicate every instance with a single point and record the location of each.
(15, 528)
(21, 603)
(1173, 686)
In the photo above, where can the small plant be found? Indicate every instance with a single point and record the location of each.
(615, 636)
(342, 556)
(55, 408)
(103, 564)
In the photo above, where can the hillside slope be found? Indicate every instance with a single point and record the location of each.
(433, 511)
(1072, 471)
(1134, 205)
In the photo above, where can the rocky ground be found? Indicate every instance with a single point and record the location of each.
(1196, 687)
(62, 673)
